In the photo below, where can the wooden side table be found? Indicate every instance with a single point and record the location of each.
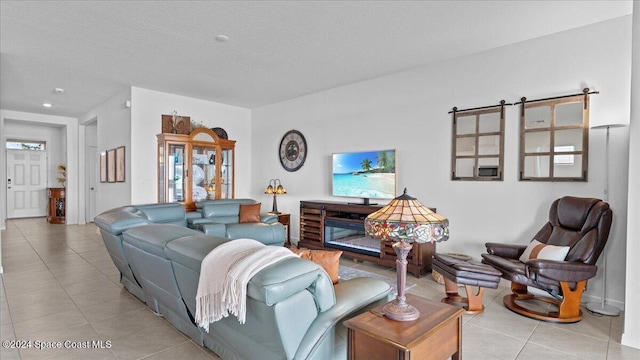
(436, 334)
(56, 205)
(285, 219)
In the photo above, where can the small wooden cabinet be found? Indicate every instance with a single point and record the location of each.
(195, 167)
(321, 221)
(435, 335)
(56, 205)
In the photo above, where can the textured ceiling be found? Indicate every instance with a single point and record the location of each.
(277, 50)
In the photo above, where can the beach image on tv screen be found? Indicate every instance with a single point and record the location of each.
(369, 174)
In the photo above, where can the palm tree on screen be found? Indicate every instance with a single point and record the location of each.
(366, 164)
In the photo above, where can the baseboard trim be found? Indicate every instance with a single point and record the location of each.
(631, 340)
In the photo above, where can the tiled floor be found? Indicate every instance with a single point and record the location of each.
(60, 284)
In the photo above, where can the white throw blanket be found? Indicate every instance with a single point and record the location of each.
(224, 275)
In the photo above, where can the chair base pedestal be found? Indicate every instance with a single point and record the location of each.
(568, 309)
(607, 310)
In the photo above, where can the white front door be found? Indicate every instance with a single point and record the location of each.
(26, 183)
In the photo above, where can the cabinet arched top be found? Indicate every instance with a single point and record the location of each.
(204, 134)
(207, 135)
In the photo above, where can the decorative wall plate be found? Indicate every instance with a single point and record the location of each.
(222, 133)
(293, 150)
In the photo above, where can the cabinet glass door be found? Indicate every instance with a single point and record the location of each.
(227, 174)
(175, 173)
(203, 173)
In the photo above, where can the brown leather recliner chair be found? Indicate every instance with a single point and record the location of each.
(583, 225)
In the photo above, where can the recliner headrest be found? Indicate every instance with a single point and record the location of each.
(572, 212)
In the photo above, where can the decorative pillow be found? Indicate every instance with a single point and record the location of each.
(249, 213)
(538, 250)
(303, 253)
(328, 259)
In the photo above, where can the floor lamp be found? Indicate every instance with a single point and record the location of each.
(601, 307)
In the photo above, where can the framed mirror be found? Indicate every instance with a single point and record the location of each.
(554, 138)
(478, 143)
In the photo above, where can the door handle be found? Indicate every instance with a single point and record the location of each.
(92, 188)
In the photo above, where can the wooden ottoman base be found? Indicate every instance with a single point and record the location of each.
(462, 271)
(473, 301)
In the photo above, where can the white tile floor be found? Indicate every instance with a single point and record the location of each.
(60, 284)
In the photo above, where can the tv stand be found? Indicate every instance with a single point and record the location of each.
(365, 202)
(339, 225)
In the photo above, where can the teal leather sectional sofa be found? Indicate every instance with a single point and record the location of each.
(293, 309)
(221, 218)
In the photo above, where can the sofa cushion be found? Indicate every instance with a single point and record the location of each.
(118, 220)
(190, 250)
(268, 234)
(249, 213)
(169, 213)
(222, 213)
(153, 237)
(201, 204)
(268, 218)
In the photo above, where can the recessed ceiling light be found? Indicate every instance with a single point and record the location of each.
(58, 90)
(222, 38)
(47, 105)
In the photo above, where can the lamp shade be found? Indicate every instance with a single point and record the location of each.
(275, 187)
(406, 219)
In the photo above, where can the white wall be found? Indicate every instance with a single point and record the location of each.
(408, 111)
(147, 107)
(113, 121)
(631, 333)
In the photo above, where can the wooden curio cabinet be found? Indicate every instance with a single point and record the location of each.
(195, 167)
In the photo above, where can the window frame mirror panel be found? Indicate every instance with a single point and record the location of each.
(478, 144)
(558, 129)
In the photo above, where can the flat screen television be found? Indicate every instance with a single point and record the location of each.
(365, 174)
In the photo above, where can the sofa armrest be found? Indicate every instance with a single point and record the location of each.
(268, 234)
(194, 222)
(510, 251)
(289, 276)
(268, 218)
(194, 215)
(211, 228)
(563, 271)
(352, 298)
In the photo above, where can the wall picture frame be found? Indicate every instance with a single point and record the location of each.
(120, 164)
(111, 165)
(103, 167)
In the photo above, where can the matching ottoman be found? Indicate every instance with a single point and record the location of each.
(461, 270)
